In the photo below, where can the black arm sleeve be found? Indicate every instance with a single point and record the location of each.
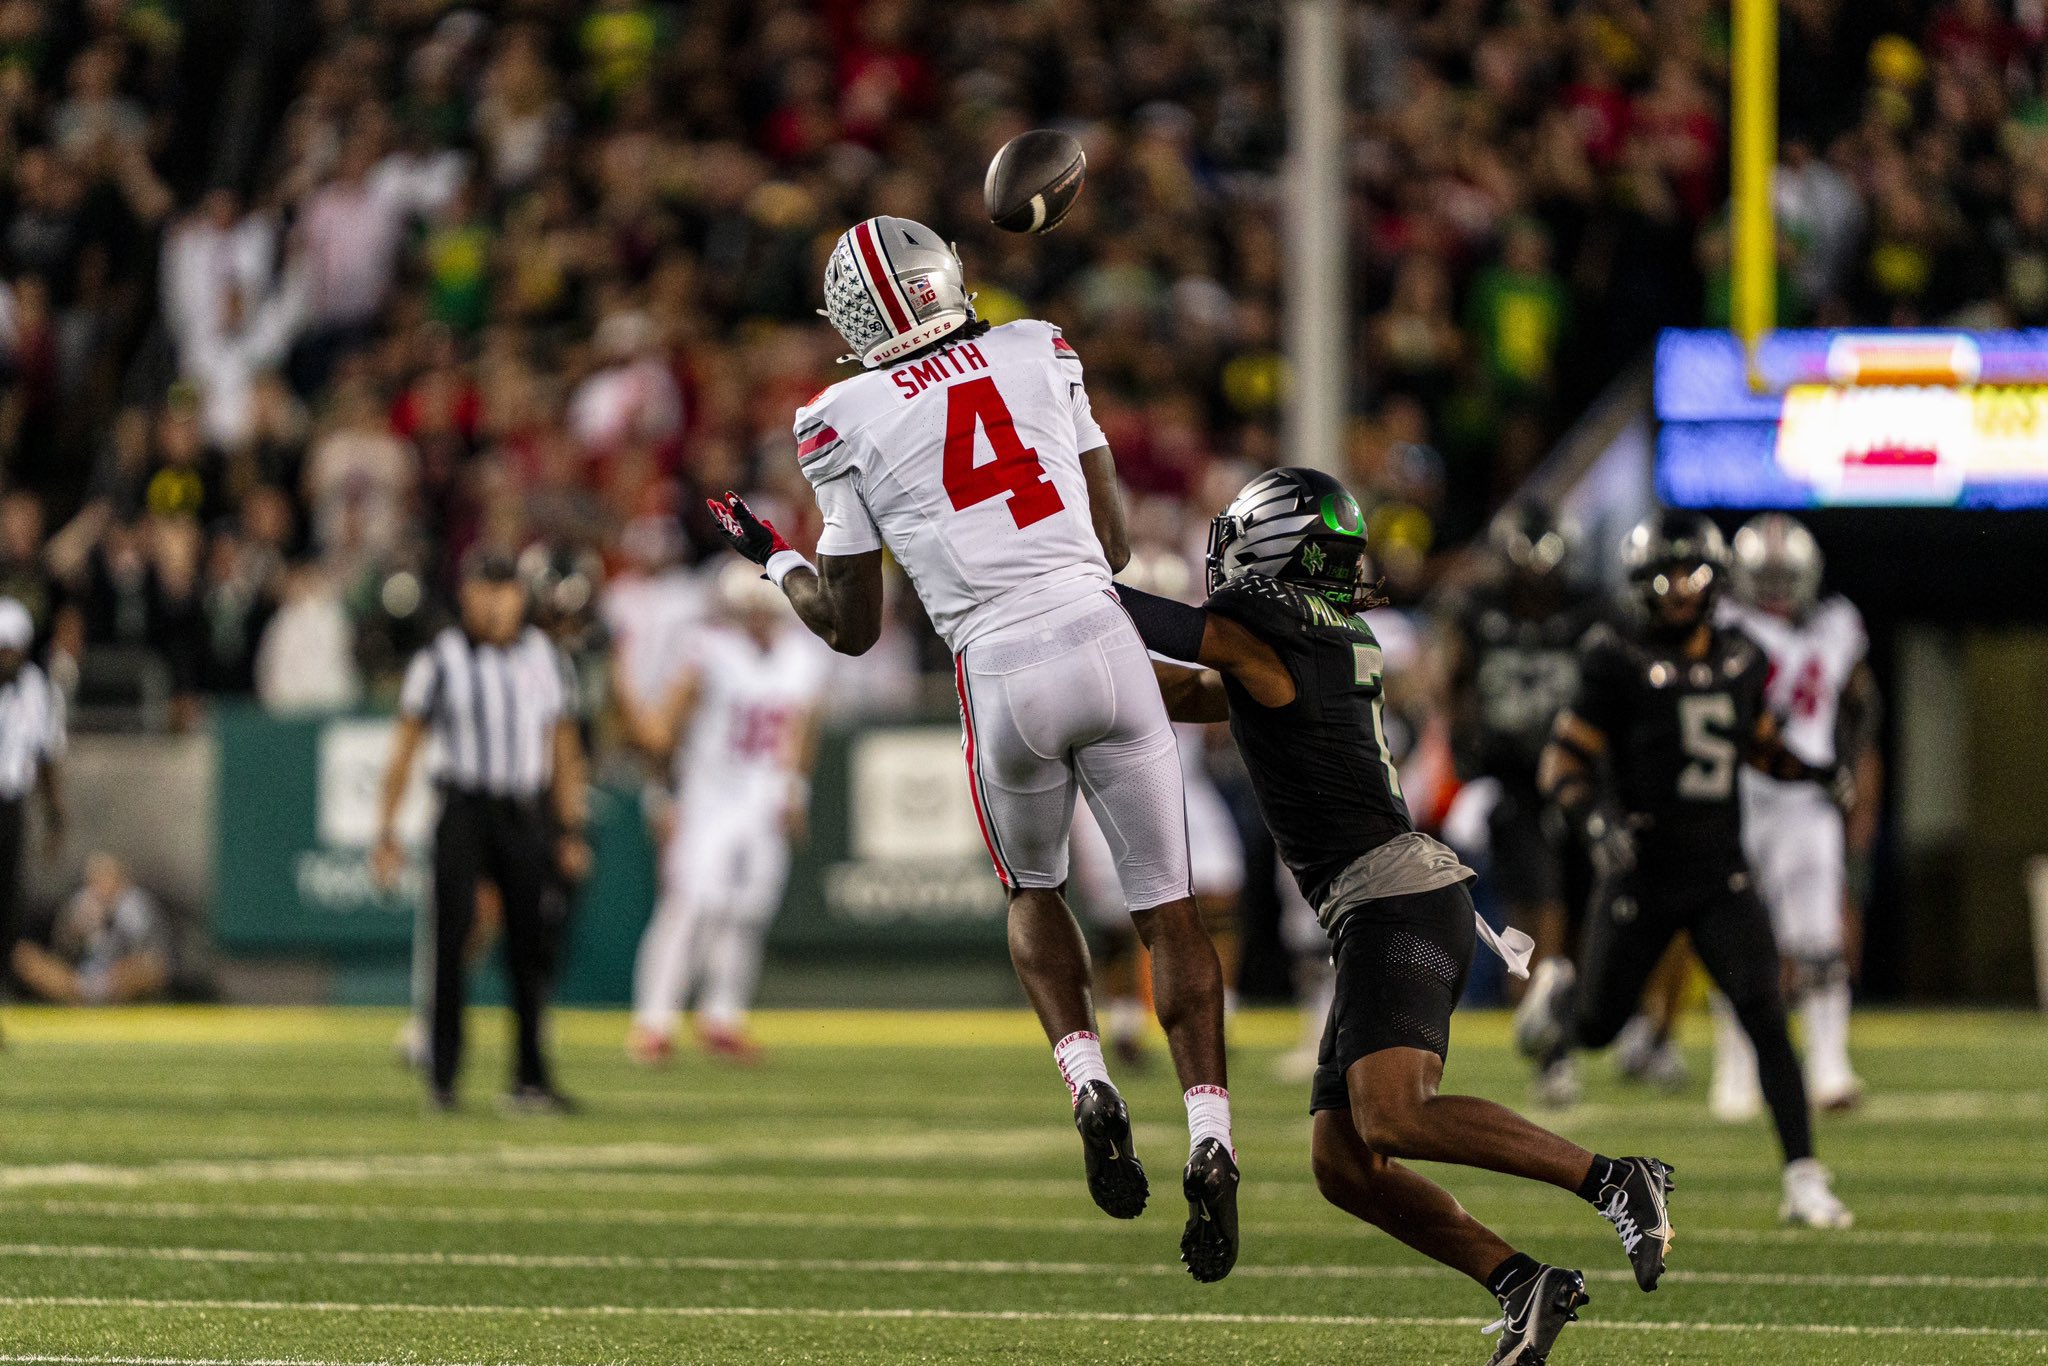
(1170, 628)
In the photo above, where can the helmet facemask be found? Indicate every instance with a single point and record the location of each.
(1675, 597)
(1295, 526)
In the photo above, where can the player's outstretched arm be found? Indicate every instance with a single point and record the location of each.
(839, 598)
(1179, 631)
(1195, 696)
(1106, 507)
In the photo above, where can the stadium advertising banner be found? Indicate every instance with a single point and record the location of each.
(894, 864)
(895, 858)
(298, 813)
(1853, 418)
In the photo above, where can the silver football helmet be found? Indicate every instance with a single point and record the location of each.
(1777, 565)
(1297, 525)
(892, 286)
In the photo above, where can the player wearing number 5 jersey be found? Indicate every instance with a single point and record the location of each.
(970, 452)
(1643, 767)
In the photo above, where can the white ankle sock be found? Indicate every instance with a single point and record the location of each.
(1825, 1012)
(1734, 1056)
(1079, 1056)
(1209, 1117)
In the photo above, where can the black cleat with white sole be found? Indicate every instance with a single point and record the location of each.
(1209, 1246)
(1115, 1178)
(1533, 1314)
(1635, 1199)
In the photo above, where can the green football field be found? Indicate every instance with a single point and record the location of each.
(190, 1185)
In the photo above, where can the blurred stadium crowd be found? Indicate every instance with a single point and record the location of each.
(539, 273)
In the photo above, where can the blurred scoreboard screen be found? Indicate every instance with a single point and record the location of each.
(1869, 418)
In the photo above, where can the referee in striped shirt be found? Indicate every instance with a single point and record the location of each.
(31, 743)
(500, 701)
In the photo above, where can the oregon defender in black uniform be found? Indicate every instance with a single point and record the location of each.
(1297, 674)
(1513, 666)
(1643, 767)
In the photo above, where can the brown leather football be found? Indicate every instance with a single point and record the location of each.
(1034, 180)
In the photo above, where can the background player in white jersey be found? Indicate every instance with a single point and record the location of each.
(1821, 688)
(740, 725)
(972, 454)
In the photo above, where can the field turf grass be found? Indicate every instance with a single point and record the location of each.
(217, 1186)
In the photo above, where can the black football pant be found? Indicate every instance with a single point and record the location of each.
(1628, 928)
(506, 840)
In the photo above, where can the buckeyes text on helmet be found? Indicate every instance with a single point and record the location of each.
(893, 286)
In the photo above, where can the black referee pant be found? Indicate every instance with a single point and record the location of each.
(506, 840)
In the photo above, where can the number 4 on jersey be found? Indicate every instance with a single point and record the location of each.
(1015, 469)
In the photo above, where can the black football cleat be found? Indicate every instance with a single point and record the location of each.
(1116, 1179)
(532, 1098)
(1635, 1200)
(1209, 1246)
(1532, 1316)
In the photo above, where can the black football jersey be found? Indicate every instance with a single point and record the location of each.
(1525, 670)
(1320, 765)
(1677, 731)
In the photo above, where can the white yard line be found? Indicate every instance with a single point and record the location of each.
(663, 1311)
(600, 1216)
(522, 1261)
(621, 1167)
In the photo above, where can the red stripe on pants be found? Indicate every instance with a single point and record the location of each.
(973, 775)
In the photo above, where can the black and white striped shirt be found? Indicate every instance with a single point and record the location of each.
(493, 709)
(31, 730)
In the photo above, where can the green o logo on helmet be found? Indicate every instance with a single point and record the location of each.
(1341, 514)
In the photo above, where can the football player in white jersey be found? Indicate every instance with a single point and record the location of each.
(971, 453)
(739, 721)
(1216, 849)
(1825, 698)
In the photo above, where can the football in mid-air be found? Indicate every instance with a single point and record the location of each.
(1034, 180)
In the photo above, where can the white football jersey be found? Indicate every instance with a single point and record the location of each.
(966, 464)
(1811, 662)
(740, 743)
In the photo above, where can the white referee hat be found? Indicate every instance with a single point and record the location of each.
(17, 630)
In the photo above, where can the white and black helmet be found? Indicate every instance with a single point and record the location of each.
(892, 286)
(1675, 555)
(1296, 525)
(1777, 565)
